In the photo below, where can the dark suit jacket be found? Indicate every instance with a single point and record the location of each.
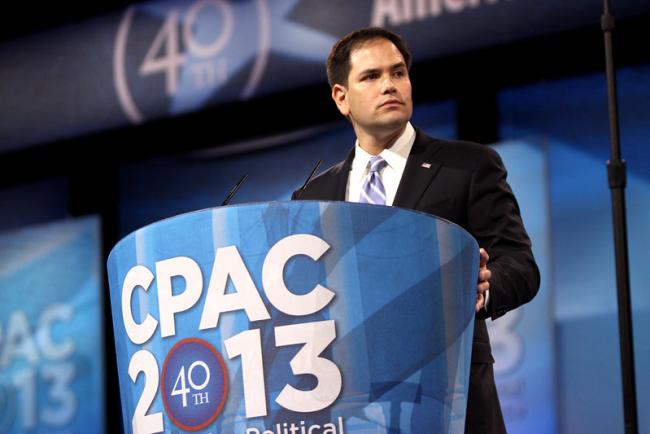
(466, 184)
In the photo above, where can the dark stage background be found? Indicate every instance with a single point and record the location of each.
(113, 118)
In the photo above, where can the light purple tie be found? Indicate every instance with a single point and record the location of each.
(372, 190)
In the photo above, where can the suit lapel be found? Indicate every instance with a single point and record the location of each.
(419, 172)
(341, 174)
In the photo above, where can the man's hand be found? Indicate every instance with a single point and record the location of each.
(483, 280)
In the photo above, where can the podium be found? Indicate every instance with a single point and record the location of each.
(299, 317)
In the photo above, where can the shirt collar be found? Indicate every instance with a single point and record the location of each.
(395, 156)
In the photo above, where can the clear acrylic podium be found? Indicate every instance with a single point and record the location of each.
(299, 317)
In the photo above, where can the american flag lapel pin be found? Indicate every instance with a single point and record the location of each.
(426, 165)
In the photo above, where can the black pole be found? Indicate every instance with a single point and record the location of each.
(616, 174)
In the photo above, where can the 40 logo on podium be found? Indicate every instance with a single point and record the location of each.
(194, 384)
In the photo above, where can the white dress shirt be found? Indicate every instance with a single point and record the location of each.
(391, 174)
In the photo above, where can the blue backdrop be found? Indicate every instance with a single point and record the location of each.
(51, 337)
(568, 121)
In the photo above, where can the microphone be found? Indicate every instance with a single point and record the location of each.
(311, 175)
(234, 190)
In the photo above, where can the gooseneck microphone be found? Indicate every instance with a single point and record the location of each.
(311, 175)
(232, 192)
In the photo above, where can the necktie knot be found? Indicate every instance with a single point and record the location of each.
(376, 163)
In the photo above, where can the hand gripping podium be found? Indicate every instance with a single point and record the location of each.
(298, 317)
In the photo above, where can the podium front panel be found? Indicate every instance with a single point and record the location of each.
(294, 318)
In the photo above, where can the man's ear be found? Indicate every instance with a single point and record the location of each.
(340, 97)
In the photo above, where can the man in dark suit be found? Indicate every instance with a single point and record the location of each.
(393, 163)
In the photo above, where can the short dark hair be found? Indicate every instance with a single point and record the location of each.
(338, 60)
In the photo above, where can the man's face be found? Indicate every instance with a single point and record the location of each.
(377, 98)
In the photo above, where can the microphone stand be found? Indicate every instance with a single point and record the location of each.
(234, 190)
(616, 173)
